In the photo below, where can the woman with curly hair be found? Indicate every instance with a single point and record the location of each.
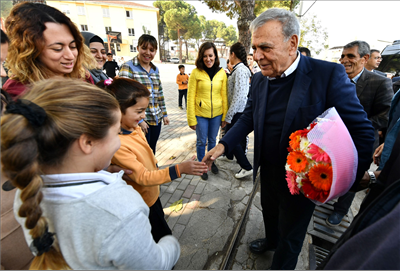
(44, 43)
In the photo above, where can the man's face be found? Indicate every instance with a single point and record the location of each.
(270, 51)
(374, 60)
(352, 61)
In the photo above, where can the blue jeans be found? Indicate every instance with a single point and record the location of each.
(153, 133)
(206, 129)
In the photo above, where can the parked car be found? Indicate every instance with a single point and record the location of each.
(174, 60)
(391, 59)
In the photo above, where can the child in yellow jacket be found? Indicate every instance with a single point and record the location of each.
(182, 79)
(136, 154)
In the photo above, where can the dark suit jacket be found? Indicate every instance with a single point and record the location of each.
(375, 93)
(379, 73)
(318, 86)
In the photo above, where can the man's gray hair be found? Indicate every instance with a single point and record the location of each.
(290, 24)
(363, 47)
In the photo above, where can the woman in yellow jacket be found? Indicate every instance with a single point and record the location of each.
(207, 100)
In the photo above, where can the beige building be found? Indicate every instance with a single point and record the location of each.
(128, 18)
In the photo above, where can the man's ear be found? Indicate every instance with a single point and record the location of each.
(293, 42)
(366, 57)
(85, 143)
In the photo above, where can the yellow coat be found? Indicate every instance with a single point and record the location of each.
(206, 98)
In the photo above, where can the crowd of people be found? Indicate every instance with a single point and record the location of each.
(80, 180)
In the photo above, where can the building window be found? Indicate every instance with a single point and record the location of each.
(118, 47)
(129, 14)
(131, 47)
(65, 9)
(134, 48)
(108, 29)
(131, 32)
(80, 10)
(106, 12)
(84, 27)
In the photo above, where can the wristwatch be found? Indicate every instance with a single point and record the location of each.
(372, 178)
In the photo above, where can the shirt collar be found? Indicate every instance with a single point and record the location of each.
(136, 62)
(76, 185)
(289, 70)
(355, 79)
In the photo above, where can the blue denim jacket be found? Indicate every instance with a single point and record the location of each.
(393, 129)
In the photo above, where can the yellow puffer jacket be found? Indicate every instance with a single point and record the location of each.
(206, 98)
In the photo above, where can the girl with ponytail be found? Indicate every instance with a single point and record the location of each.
(54, 144)
(238, 90)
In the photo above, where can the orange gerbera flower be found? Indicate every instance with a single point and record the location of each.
(295, 140)
(297, 161)
(321, 176)
(313, 193)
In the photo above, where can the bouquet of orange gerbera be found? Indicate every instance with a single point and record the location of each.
(322, 159)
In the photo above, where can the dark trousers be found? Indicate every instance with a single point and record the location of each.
(182, 93)
(239, 150)
(153, 133)
(286, 216)
(343, 204)
(159, 227)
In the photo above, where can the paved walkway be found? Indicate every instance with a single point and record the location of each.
(212, 208)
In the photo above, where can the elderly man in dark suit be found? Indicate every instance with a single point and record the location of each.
(289, 92)
(375, 93)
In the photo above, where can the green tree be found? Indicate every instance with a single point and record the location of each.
(245, 12)
(145, 30)
(229, 36)
(313, 35)
(182, 21)
(212, 29)
(6, 7)
(163, 32)
(199, 38)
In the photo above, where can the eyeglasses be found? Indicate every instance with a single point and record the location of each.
(378, 57)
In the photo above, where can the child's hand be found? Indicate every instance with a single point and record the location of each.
(192, 167)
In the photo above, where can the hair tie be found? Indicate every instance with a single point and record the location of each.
(108, 82)
(31, 111)
(43, 243)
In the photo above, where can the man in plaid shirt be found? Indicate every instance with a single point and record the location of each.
(144, 71)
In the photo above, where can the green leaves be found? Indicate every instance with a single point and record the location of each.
(313, 35)
(176, 206)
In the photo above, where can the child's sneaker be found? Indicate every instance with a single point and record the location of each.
(180, 107)
(243, 173)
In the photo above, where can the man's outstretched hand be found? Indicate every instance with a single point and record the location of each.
(213, 154)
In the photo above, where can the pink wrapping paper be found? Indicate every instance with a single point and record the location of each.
(331, 135)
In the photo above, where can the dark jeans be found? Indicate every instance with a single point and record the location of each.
(343, 204)
(182, 93)
(159, 227)
(239, 150)
(153, 133)
(286, 216)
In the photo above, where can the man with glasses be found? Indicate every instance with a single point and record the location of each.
(375, 94)
(373, 62)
